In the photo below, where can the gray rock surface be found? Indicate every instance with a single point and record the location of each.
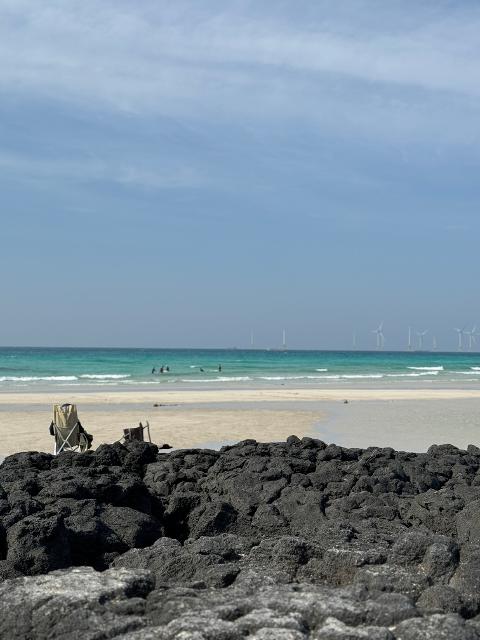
(289, 541)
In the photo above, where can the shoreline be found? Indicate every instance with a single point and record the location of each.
(209, 396)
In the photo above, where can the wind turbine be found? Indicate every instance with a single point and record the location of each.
(421, 335)
(461, 333)
(252, 339)
(284, 340)
(434, 343)
(475, 334)
(354, 339)
(410, 344)
(471, 337)
(380, 337)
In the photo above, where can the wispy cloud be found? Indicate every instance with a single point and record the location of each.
(159, 57)
(31, 169)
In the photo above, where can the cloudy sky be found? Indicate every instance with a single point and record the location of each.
(179, 173)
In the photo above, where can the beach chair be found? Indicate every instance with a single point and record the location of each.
(68, 431)
(131, 434)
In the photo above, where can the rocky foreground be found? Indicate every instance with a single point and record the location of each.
(283, 541)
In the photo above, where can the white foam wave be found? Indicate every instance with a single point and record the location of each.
(157, 382)
(412, 375)
(426, 368)
(105, 376)
(357, 376)
(475, 372)
(321, 369)
(283, 377)
(475, 368)
(220, 379)
(36, 378)
(275, 378)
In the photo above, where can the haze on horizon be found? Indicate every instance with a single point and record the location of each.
(177, 174)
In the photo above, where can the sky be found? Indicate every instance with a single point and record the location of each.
(182, 173)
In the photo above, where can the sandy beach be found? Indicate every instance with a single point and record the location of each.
(401, 418)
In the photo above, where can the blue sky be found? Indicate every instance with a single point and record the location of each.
(177, 174)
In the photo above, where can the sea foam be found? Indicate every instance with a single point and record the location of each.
(35, 378)
(105, 376)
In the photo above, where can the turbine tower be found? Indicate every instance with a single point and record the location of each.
(380, 337)
(354, 339)
(421, 335)
(410, 343)
(252, 339)
(284, 340)
(461, 333)
(434, 343)
(471, 337)
(475, 335)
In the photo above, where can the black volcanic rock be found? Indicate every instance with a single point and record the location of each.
(287, 541)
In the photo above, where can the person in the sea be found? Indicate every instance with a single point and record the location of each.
(201, 369)
(153, 370)
(220, 367)
(167, 369)
(162, 369)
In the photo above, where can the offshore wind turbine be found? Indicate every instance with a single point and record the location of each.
(252, 339)
(284, 340)
(421, 335)
(471, 337)
(354, 339)
(475, 334)
(410, 343)
(380, 337)
(461, 333)
(434, 343)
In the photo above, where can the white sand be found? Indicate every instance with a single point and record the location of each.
(402, 418)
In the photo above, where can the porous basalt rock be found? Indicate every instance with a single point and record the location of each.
(284, 540)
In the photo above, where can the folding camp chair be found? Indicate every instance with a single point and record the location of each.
(68, 431)
(137, 433)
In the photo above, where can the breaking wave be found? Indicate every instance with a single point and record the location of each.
(220, 379)
(35, 378)
(105, 376)
(413, 375)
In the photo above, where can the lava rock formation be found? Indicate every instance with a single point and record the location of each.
(281, 541)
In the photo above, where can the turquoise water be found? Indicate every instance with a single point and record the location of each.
(39, 368)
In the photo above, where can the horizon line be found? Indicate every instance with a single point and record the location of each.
(235, 348)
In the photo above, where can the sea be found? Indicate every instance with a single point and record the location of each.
(38, 369)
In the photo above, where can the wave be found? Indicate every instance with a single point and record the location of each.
(36, 378)
(329, 377)
(274, 378)
(355, 376)
(283, 377)
(105, 376)
(157, 382)
(321, 369)
(412, 375)
(475, 368)
(475, 372)
(426, 368)
(220, 379)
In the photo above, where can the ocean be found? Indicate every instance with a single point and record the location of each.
(37, 369)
